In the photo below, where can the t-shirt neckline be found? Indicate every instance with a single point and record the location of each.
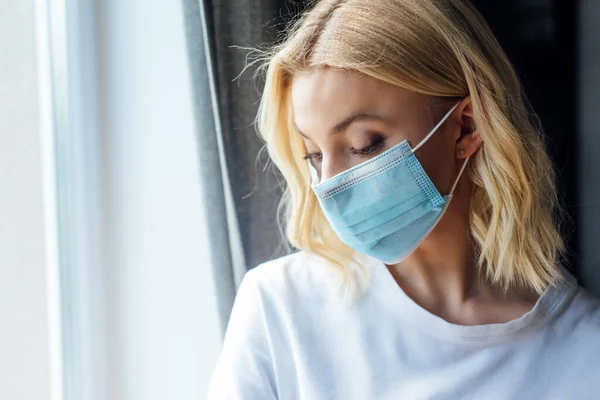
(547, 306)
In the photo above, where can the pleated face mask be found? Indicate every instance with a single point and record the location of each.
(386, 206)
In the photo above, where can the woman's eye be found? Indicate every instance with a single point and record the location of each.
(373, 148)
(313, 156)
(370, 149)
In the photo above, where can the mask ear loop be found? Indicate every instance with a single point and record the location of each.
(459, 175)
(435, 128)
(314, 176)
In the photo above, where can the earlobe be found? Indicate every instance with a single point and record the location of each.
(468, 144)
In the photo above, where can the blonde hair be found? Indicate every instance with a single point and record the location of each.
(441, 48)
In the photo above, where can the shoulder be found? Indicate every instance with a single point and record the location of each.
(578, 326)
(574, 337)
(584, 312)
(293, 276)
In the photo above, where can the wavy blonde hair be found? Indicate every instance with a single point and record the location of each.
(440, 48)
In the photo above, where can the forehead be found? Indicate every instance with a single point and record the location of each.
(327, 86)
(324, 95)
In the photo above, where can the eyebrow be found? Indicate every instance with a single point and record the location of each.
(346, 122)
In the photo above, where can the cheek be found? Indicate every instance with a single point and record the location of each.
(440, 164)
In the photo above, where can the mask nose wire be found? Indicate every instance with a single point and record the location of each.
(435, 128)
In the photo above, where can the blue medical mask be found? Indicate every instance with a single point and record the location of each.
(386, 206)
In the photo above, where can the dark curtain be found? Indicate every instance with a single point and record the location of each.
(555, 49)
(540, 38)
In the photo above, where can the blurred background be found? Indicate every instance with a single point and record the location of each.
(135, 195)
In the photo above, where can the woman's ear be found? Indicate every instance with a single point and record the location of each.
(470, 138)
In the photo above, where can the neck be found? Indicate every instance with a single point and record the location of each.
(442, 271)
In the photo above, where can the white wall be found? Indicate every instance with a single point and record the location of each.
(162, 311)
(24, 349)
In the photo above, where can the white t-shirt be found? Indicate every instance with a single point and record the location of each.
(291, 337)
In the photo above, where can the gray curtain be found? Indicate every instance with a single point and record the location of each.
(589, 143)
(240, 198)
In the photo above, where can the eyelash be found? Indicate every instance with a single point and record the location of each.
(370, 149)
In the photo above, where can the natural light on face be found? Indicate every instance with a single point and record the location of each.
(346, 118)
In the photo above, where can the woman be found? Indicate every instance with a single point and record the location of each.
(421, 199)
